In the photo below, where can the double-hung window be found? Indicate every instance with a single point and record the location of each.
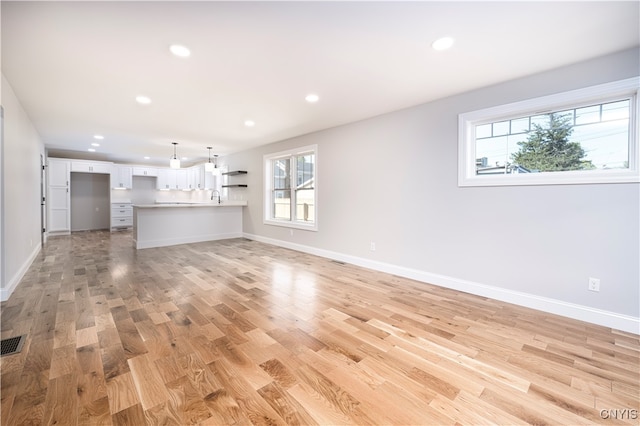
(290, 188)
(588, 135)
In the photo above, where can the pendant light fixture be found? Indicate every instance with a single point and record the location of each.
(209, 166)
(216, 171)
(174, 162)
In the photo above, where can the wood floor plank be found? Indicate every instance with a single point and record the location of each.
(95, 413)
(241, 332)
(185, 400)
(148, 382)
(29, 400)
(91, 387)
(200, 376)
(122, 393)
(290, 410)
(61, 405)
(132, 416)
(63, 361)
(163, 414)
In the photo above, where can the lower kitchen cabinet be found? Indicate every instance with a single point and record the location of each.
(121, 215)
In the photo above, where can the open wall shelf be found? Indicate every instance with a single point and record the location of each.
(235, 173)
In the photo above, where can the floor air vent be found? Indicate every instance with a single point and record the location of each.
(12, 345)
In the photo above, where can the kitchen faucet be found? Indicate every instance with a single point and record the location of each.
(213, 192)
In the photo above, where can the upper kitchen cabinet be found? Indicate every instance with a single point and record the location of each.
(182, 181)
(58, 172)
(145, 171)
(198, 178)
(172, 179)
(193, 176)
(202, 178)
(164, 180)
(91, 167)
(121, 178)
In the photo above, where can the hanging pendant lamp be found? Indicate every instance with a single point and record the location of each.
(216, 171)
(209, 166)
(174, 162)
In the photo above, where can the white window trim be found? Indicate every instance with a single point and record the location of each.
(466, 142)
(268, 190)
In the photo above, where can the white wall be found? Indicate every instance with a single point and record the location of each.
(90, 201)
(1, 197)
(392, 180)
(21, 187)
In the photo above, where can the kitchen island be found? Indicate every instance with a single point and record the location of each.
(168, 224)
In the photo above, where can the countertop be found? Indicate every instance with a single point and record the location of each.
(182, 204)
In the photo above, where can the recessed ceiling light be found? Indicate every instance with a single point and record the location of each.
(91, 150)
(443, 43)
(147, 158)
(180, 51)
(95, 144)
(249, 123)
(143, 100)
(312, 98)
(98, 137)
(185, 158)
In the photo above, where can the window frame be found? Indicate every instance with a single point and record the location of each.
(269, 189)
(602, 93)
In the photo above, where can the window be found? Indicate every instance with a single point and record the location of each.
(290, 190)
(584, 136)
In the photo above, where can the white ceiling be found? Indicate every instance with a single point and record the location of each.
(77, 67)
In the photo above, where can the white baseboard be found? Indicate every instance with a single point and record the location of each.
(5, 292)
(579, 312)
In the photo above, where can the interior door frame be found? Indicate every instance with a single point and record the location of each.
(2, 215)
(43, 200)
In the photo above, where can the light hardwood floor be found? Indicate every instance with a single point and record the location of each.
(240, 332)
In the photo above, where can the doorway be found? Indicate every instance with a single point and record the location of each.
(90, 201)
(43, 200)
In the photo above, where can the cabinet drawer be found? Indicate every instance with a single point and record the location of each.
(121, 212)
(117, 222)
(121, 206)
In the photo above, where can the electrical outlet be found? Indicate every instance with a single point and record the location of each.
(372, 246)
(594, 284)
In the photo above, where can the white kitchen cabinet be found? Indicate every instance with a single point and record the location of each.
(192, 179)
(198, 178)
(59, 198)
(58, 172)
(92, 167)
(145, 171)
(121, 215)
(207, 180)
(163, 181)
(121, 178)
(181, 179)
(172, 179)
(201, 178)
